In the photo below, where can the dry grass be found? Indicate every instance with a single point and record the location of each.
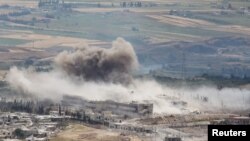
(232, 29)
(6, 11)
(46, 41)
(25, 3)
(180, 21)
(76, 132)
(97, 10)
(187, 22)
(3, 74)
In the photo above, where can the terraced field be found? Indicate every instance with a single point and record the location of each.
(161, 31)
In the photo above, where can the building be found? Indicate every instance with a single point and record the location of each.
(237, 121)
(128, 110)
(38, 137)
(50, 4)
(172, 139)
(5, 134)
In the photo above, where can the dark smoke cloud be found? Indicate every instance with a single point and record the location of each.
(115, 64)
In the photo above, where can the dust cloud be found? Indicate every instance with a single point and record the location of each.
(107, 74)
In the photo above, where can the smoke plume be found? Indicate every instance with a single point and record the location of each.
(104, 72)
(99, 64)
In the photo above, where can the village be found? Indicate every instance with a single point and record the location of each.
(29, 127)
(129, 119)
(193, 69)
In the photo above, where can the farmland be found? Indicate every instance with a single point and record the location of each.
(154, 26)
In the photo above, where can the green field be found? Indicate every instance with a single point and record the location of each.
(161, 31)
(11, 42)
(108, 26)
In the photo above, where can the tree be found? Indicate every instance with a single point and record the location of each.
(19, 133)
(78, 115)
(124, 4)
(230, 6)
(40, 4)
(131, 4)
(41, 110)
(98, 5)
(9, 118)
(67, 112)
(60, 110)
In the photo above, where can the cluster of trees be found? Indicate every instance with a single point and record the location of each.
(4, 6)
(131, 4)
(19, 133)
(50, 16)
(40, 107)
(54, 4)
(6, 17)
(15, 14)
(19, 13)
(26, 106)
(204, 79)
(17, 106)
(42, 3)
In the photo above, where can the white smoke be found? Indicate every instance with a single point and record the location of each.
(56, 83)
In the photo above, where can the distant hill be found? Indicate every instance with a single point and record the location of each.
(218, 56)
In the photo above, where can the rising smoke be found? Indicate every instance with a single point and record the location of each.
(100, 74)
(113, 65)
